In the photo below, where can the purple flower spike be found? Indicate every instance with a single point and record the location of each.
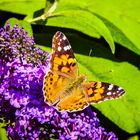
(22, 107)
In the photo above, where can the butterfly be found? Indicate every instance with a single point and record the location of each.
(65, 89)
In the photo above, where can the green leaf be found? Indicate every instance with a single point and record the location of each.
(21, 23)
(120, 37)
(50, 6)
(126, 109)
(78, 21)
(68, 18)
(101, 67)
(124, 112)
(134, 138)
(122, 21)
(3, 134)
(120, 17)
(23, 7)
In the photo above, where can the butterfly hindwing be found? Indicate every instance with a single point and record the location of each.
(74, 101)
(89, 93)
(54, 85)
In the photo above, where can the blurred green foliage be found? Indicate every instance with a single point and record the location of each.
(2, 133)
(117, 21)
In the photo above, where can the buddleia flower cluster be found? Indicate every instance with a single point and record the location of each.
(23, 112)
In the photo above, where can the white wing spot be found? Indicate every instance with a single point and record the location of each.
(64, 38)
(59, 49)
(110, 87)
(119, 88)
(65, 48)
(114, 93)
(108, 93)
(68, 47)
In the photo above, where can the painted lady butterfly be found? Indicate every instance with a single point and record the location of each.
(65, 89)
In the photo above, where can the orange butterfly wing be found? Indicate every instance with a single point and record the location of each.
(63, 70)
(100, 91)
(89, 93)
(63, 61)
(64, 89)
(74, 101)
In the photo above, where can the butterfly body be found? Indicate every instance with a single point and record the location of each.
(77, 82)
(65, 89)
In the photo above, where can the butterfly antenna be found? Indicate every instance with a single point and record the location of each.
(88, 58)
(90, 52)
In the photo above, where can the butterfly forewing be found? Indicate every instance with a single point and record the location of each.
(100, 91)
(63, 60)
(63, 70)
